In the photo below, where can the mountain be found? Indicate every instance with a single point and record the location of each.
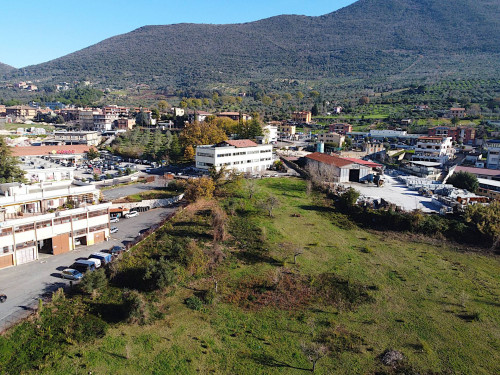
(4, 69)
(370, 39)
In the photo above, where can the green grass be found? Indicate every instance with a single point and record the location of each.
(34, 125)
(437, 304)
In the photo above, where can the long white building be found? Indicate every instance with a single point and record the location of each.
(240, 155)
(51, 218)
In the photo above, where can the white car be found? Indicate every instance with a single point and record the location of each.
(113, 230)
(131, 214)
(97, 262)
(114, 220)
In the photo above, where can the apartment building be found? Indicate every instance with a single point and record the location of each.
(287, 130)
(334, 138)
(493, 158)
(270, 134)
(434, 149)
(50, 217)
(340, 128)
(124, 123)
(457, 112)
(235, 116)
(240, 155)
(457, 134)
(302, 117)
(21, 111)
(115, 110)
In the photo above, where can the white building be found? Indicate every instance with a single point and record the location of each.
(493, 159)
(334, 138)
(388, 133)
(49, 174)
(270, 134)
(434, 149)
(241, 155)
(75, 138)
(49, 218)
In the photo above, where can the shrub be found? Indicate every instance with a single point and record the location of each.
(159, 274)
(135, 307)
(194, 303)
(93, 281)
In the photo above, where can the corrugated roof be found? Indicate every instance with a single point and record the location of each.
(370, 164)
(329, 159)
(478, 171)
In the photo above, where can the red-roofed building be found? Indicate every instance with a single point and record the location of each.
(332, 168)
(242, 155)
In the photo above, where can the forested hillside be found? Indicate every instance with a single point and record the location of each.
(4, 68)
(371, 39)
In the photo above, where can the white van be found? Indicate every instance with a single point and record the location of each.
(97, 262)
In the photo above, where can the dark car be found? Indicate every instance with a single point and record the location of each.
(115, 250)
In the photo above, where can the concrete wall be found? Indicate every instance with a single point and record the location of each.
(151, 203)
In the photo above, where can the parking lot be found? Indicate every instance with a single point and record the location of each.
(24, 284)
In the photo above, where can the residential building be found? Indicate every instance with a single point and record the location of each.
(489, 188)
(457, 112)
(124, 123)
(21, 111)
(340, 128)
(270, 134)
(49, 218)
(55, 105)
(286, 130)
(88, 138)
(435, 149)
(335, 138)
(457, 134)
(302, 117)
(198, 116)
(493, 158)
(235, 116)
(239, 155)
(103, 121)
(86, 118)
(115, 110)
(178, 112)
(51, 174)
(337, 110)
(332, 168)
(381, 134)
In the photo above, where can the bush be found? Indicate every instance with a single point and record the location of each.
(93, 281)
(159, 274)
(194, 303)
(135, 308)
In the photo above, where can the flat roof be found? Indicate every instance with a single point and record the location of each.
(485, 181)
(45, 150)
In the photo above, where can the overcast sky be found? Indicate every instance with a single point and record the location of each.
(35, 31)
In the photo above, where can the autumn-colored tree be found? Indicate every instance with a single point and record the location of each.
(163, 105)
(197, 188)
(225, 123)
(202, 133)
(189, 153)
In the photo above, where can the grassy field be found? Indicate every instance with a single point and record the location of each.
(428, 299)
(34, 125)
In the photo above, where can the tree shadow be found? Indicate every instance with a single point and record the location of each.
(254, 257)
(315, 208)
(270, 361)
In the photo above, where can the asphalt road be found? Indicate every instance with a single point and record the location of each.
(26, 283)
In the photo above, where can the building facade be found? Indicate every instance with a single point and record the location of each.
(50, 218)
(493, 158)
(457, 134)
(88, 138)
(302, 117)
(241, 155)
(334, 138)
(340, 128)
(434, 149)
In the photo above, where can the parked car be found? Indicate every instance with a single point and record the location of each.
(131, 214)
(96, 261)
(71, 274)
(115, 250)
(113, 230)
(114, 219)
(83, 265)
(103, 257)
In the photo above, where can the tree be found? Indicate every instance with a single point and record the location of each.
(163, 105)
(92, 154)
(486, 219)
(269, 204)
(155, 113)
(315, 110)
(202, 133)
(314, 352)
(93, 281)
(189, 153)
(142, 119)
(349, 197)
(266, 100)
(464, 180)
(175, 150)
(9, 170)
(455, 120)
(364, 100)
(197, 188)
(159, 274)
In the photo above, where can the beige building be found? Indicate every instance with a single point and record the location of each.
(287, 130)
(302, 117)
(50, 217)
(78, 138)
(335, 138)
(21, 111)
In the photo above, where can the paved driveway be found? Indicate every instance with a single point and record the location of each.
(24, 284)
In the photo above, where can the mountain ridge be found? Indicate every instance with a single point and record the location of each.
(366, 38)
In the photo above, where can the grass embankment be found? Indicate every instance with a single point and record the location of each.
(357, 292)
(150, 194)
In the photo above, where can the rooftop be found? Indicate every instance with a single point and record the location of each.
(45, 150)
(329, 159)
(240, 143)
(479, 171)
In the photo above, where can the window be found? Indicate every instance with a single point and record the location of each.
(6, 232)
(98, 227)
(7, 249)
(98, 213)
(43, 224)
(24, 228)
(79, 217)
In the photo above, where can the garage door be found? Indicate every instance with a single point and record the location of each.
(25, 255)
(6, 261)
